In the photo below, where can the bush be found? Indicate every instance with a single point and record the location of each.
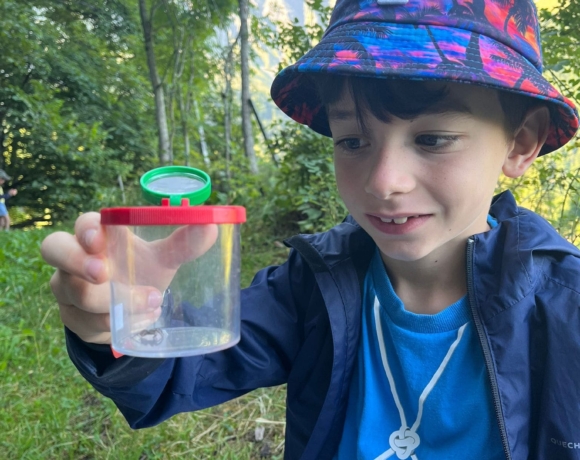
(304, 196)
(550, 188)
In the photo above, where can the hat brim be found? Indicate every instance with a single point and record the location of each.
(417, 52)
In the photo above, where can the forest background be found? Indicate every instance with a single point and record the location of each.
(93, 93)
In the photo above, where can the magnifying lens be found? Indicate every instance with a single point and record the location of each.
(176, 183)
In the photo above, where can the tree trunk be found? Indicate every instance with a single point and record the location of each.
(264, 134)
(227, 113)
(170, 121)
(121, 187)
(227, 130)
(227, 99)
(201, 131)
(246, 109)
(186, 145)
(184, 109)
(175, 92)
(165, 154)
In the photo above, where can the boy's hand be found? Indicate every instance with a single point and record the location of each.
(12, 192)
(80, 283)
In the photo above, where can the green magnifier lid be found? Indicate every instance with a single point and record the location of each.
(176, 183)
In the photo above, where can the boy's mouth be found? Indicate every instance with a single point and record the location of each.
(398, 225)
(397, 220)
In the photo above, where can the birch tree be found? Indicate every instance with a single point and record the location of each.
(227, 99)
(186, 28)
(165, 154)
(246, 108)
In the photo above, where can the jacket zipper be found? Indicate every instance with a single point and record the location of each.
(485, 347)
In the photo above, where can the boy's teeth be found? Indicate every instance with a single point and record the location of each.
(398, 220)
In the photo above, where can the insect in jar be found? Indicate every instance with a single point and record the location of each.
(150, 336)
(153, 337)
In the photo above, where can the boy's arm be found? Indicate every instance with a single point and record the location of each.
(7, 195)
(148, 391)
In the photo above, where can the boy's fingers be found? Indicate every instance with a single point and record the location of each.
(73, 290)
(90, 234)
(95, 327)
(84, 308)
(90, 327)
(63, 251)
(185, 244)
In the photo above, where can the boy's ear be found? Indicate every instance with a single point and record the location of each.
(528, 140)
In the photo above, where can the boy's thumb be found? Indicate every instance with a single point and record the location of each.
(185, 244)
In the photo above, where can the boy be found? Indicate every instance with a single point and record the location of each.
(4, 216)
(427, 325)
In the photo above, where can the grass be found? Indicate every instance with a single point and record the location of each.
(50, 412)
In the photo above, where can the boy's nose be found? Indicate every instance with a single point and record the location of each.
(390, 174)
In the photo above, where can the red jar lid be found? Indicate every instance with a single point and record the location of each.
(173, 215)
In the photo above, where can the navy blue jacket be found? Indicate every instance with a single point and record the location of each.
(301, 326)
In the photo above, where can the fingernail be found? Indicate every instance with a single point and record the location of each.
(154, 299)
(94, 268)
(89, 236)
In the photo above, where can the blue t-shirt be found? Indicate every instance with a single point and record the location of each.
(457, 420)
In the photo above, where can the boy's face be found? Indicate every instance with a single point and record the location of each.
(421, 186)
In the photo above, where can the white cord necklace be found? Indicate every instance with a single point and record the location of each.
(405, 440)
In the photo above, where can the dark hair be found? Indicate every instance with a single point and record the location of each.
(407, 99)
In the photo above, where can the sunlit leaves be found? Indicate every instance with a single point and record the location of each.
(74, 103)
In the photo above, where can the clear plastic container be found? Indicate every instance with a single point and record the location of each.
(189, 254)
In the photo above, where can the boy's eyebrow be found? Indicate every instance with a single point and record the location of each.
(448, 107)
(337, 114)
(341, 114)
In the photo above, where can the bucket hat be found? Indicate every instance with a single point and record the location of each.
(4, 176)
(492, 43)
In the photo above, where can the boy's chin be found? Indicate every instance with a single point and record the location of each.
(407, 255)
(424, 253)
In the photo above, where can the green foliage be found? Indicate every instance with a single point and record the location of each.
(561, 44)
(290, 38)
(76, 111)
(212, 112)
(304, 191)
(76, 106)
(189, 58)
(73, 104)
(66, 162)
(551, 188)
(301, 193)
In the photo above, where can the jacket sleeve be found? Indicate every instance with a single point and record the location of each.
(148, 391)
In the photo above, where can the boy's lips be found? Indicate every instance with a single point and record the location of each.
(398, 224)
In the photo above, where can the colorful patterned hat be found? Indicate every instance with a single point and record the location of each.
(494, 43)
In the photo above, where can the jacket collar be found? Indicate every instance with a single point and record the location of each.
(510, 259)
(524, 232)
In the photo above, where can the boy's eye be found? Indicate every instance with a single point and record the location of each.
(429, 140)
(436, 141)
(351, 143)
